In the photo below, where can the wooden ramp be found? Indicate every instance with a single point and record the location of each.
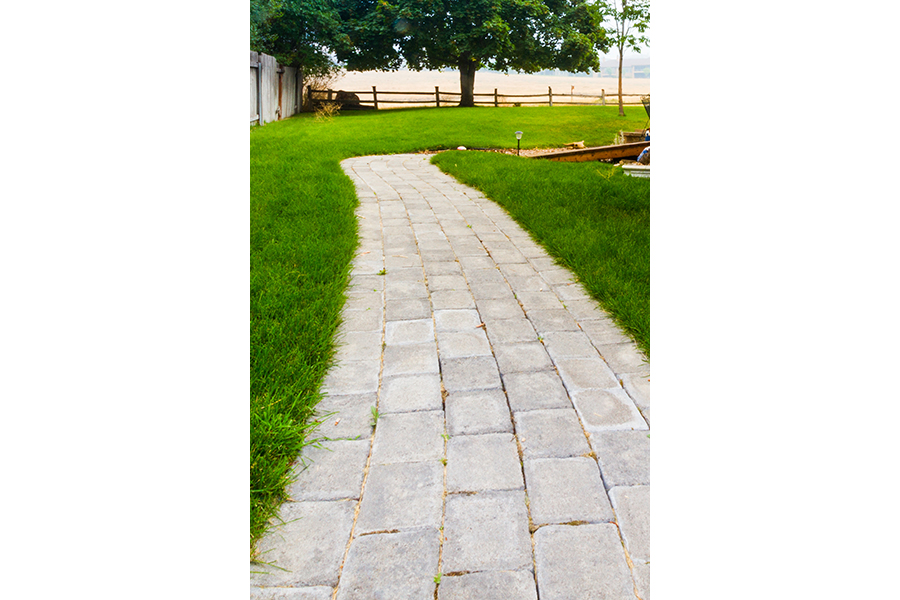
(597, 153)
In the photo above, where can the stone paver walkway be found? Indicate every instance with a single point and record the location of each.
(510, 457)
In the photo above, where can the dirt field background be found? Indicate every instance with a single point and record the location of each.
(485, 82)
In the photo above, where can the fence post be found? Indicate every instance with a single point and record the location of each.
(310, 96)
(495, 98)
(437, 97)
(550, 91)
(375, 97)
(329, 95)
(602, 97)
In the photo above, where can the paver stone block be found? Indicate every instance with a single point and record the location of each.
(391, 566)
(333, 471)
(307, 545)
(486, 532)
(477, 463)
(402, 496)
(566, 571)
(563, 490)
(551, 433)
(408, 437)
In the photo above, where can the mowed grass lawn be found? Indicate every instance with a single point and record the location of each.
(303, 235)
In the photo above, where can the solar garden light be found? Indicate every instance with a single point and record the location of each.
(518, 137)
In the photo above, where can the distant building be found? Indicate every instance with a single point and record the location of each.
(638, 68)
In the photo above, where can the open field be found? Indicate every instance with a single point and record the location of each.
(486, 82)
(303, 238)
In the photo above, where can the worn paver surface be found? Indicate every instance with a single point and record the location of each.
(508, 453)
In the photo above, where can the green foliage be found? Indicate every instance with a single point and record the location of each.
(628, 16)
(520, 35)
(298, 33)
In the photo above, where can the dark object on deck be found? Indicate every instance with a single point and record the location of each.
(645, 100)
(618, 151)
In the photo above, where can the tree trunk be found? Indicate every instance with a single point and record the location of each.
(467, 81)
(621, 109)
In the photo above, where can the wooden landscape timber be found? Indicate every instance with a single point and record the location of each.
(618, 151)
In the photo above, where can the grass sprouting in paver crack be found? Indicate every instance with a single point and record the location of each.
(590, 216)
(303, 236)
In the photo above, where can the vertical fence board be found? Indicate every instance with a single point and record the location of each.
(269, 89)
(254, 107)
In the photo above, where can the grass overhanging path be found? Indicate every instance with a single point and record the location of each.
(303, 234)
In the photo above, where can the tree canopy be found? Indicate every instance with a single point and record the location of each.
(520, 35)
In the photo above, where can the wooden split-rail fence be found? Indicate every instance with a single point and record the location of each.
(360, 99)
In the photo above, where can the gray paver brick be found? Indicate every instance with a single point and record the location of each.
(641, 574)
(500, 308)
(566, 572)
(410, 359)
(410, 393)
(331, 472)
(305, 593)
(486, 532)
(550, 433)
(603, 331)
(409, 332)
(632, 506)
(491, 291)
(563, 490)
(638, 387)
(402, 496)
(470, 373)
(456, 320)
(447, 282)
(454, 344)
(489, 585)
(623, 456)
(539, 301)
(531, 391)
(478, 463)
(522, 357)
(308, 545)
(623, 358)
(391, 565)
(450, 299)
(436, 269)
(352, 377)
(483, 411)
(547, 320)
(361, 320)
(406, 309)
(586, 373)
(361, 345)
(607, 410)
(569, 344)
(510, 331)
(408, 437)
(351, 418)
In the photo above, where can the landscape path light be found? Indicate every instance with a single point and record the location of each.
(518, 137)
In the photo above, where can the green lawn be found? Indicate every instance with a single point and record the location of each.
(303, 236)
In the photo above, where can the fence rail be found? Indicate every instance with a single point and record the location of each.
(354, 98)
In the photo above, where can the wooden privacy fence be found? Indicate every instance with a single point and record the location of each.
(351, 99)
(276, 91)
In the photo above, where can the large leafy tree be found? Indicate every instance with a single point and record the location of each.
(299, 33)
(520, 35)
(628, 17)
